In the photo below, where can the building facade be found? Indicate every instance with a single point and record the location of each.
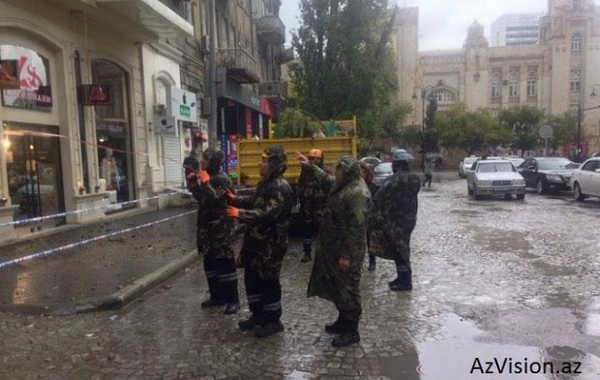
(558, 74)
(515, 29)
(102, 100)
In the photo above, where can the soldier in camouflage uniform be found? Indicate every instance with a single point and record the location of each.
(393, 218)
(267, 215)
(312, 195)
(341, 247)
(216, 231)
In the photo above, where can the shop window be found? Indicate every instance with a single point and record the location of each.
(31, 73)
(113, 134)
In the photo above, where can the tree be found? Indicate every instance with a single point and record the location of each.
(470, 130)
(346, 65)
(432, 107)
(293, 123)
(564, 130)
(524, 123)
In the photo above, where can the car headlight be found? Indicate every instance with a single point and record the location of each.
(519, 182)
(484, 183)
(553, 177)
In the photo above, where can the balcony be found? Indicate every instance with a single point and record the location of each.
(167, 18)
(274, 91)
(270, 30)
(241, 66)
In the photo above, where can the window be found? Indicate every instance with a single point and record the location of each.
(495, 113)
(576, 44)
(442, 96)
(496, 85)
(590, 166)
(513, 84)
(532, 83)
(574, 109)
(575, 80)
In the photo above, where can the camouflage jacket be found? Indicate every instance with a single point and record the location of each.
(216, 231)
(343, 233)
(394, 215)
(267, 216)
(312, 193)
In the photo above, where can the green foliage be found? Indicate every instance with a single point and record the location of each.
(346, 67)
(295, 124)
(524, 123)
(430, 112)
(564, 128)
(459, 127)
(410, 137)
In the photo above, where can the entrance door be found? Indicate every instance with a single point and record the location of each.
(34, 171)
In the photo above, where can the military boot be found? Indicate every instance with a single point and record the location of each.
(268, 329)
(336, 327)
(372, 264)
(215, 299)
(349, 335)
(231, 308)
(403, 282)
(249, 324)
(307, 248)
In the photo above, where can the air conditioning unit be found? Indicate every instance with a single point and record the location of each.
(204, 44)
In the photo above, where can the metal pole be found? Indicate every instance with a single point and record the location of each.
(578, 153)
(423, 93)
(212, 125)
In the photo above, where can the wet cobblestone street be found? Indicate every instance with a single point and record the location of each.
(492, 279)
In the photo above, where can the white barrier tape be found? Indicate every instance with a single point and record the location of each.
(67, 213)
(87, 241)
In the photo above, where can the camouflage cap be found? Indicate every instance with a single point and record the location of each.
(215, 159)
(276, 158)
(350, 168)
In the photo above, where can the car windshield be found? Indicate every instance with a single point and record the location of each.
(556, 164)
(383, 168)
(493, 167)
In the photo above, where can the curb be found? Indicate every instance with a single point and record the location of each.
(124, 296)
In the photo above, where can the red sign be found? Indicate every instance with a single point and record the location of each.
(248, 114)
(9, 75)
(267, 107)
(94, 95)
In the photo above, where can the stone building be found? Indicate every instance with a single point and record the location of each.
(111, 96)
(560, 73)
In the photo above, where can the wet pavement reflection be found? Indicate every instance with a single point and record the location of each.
(512, 283)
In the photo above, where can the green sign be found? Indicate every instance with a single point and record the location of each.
(184, 110)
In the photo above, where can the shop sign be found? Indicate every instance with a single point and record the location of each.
(9, 74)
(266, 107)
(112, 129)
(94, 95)
(248, 120)
(183, 105)
(34, 91)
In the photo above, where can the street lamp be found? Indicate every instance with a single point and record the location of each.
(423, 94)
(580, 112)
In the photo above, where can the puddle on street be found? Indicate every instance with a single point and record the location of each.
(553, 270)
(496, 241)
(461, 356)
(465, 212)
(591, 325)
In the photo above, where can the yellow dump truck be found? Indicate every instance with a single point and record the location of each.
(250, 152)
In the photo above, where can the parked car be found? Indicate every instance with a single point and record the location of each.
(516, 161)
(465, 166)
(373, 161)
(381, 172)
(495, 177)
(585, 180)
(545, 173)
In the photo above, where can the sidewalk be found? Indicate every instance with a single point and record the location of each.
(96, 270)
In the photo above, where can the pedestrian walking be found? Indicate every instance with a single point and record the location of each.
(428, 171)
(267, 215)
(393, 218)
(341, 246)
(312, 196)
(366, 172)
(216, 231)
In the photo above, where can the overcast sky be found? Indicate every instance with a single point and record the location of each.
(442, 23)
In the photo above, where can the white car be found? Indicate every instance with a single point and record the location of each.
(495, 177)
(464, 167)
(585, 180)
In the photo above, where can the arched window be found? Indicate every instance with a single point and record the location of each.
(513, 84)
(575, 80)
(532, 83)
(443, 96)
(496, 85)
(576, 44)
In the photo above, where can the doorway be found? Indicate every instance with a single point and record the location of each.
(34, 171)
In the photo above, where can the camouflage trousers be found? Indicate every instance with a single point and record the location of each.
(264, 296)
